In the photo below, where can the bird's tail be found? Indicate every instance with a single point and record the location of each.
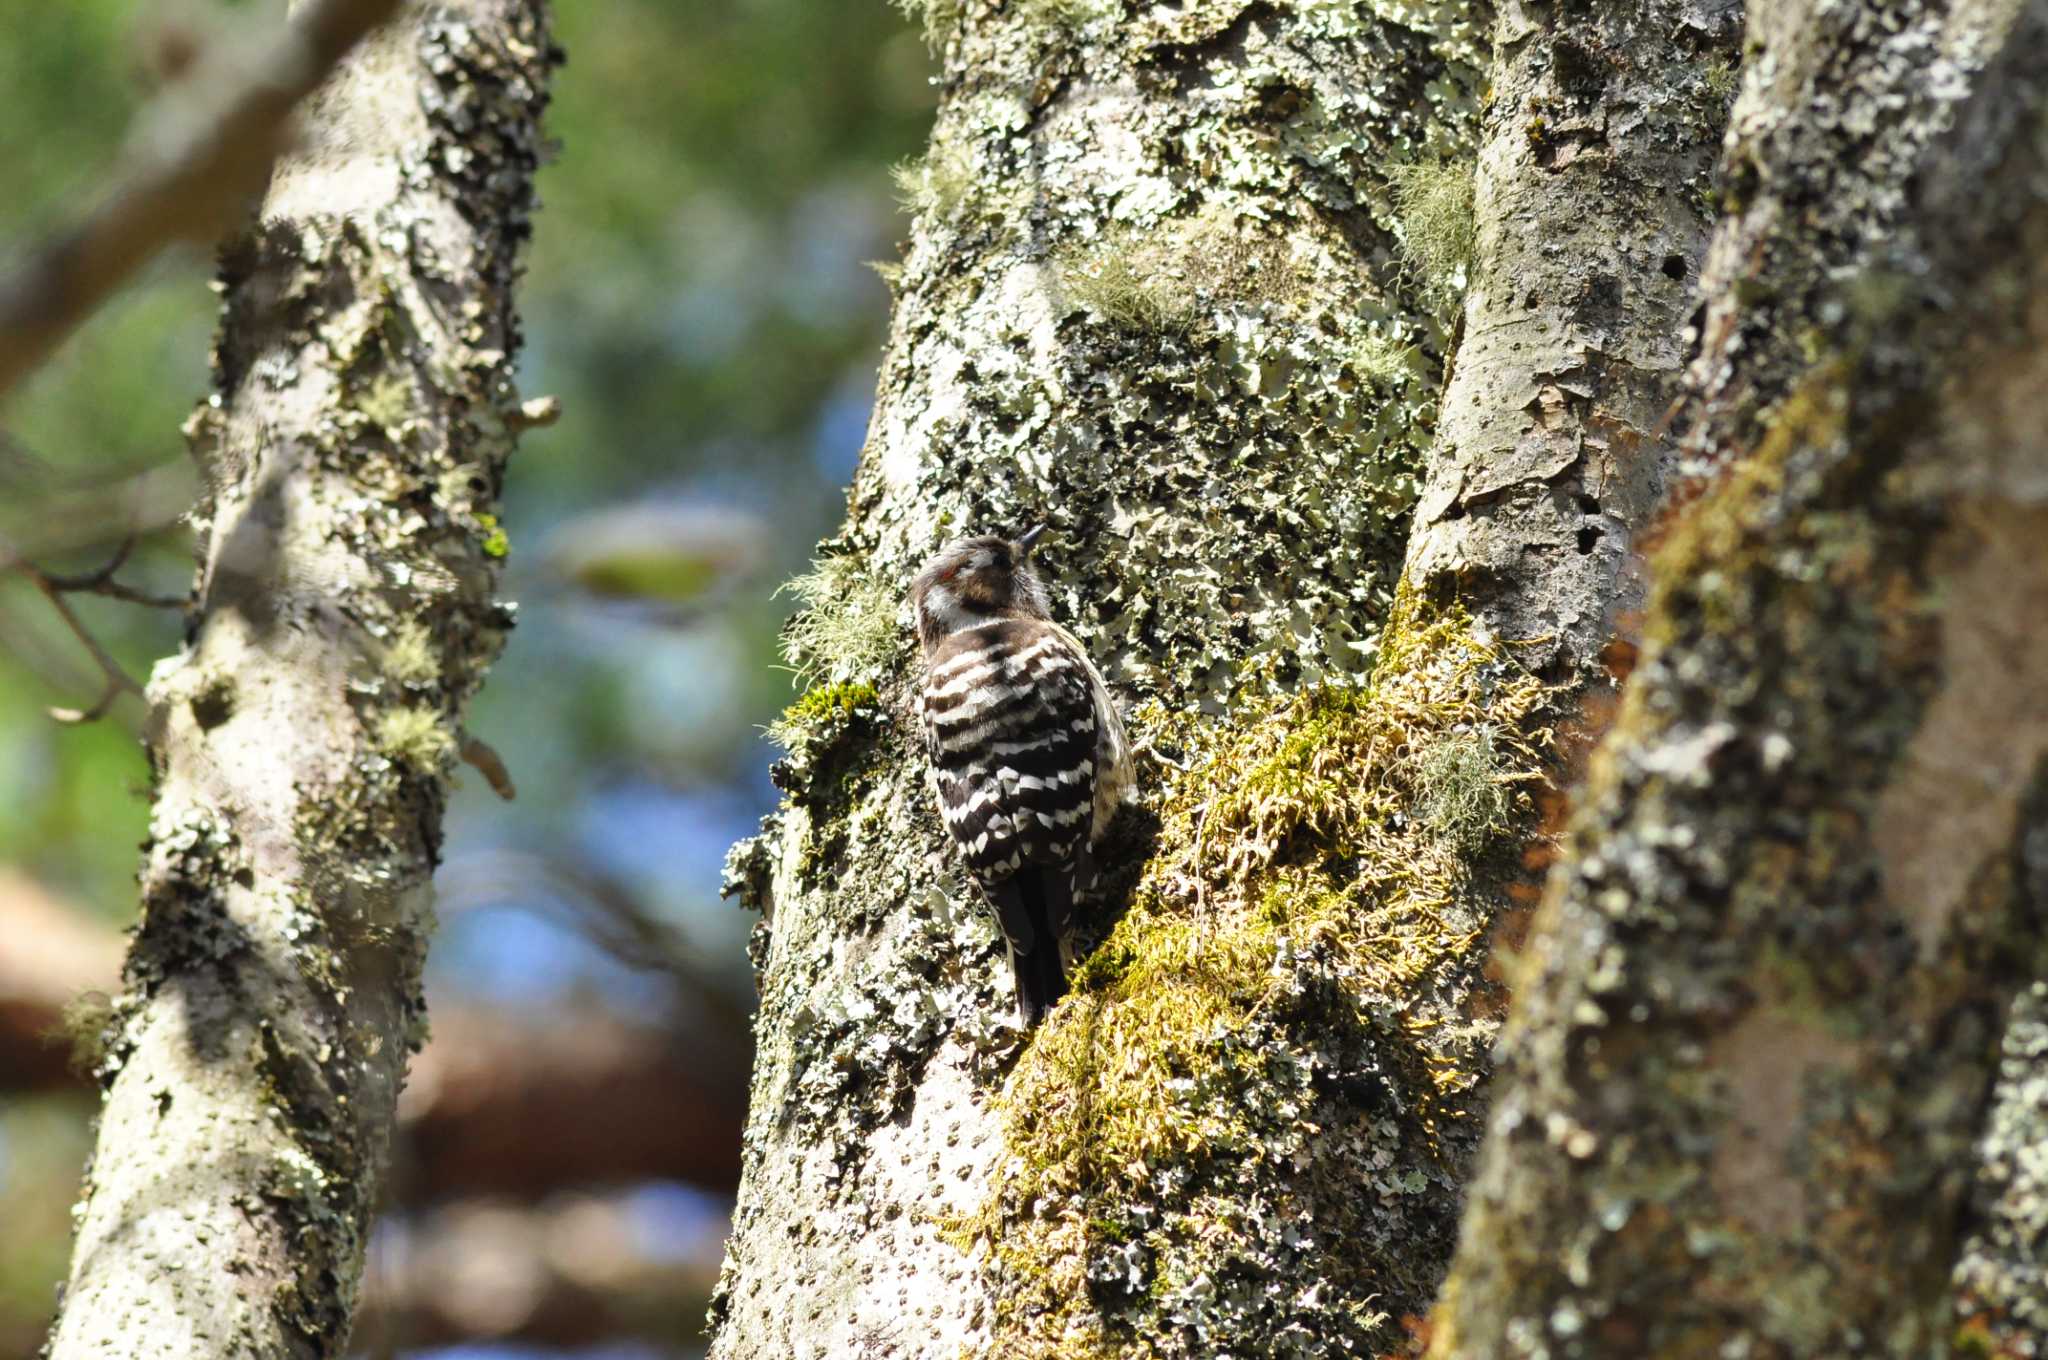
(1043, 899)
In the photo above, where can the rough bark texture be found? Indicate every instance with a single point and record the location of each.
(1593, 199)
(1758, 1028)
(1839, 106)
(302, 738)
(2002, 1275)
(1174, 289)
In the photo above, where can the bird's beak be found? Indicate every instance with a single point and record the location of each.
(1029, 537)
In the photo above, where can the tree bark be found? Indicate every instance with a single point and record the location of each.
(1593, 199)
(302, 739)
(1758, 1026)
(1178, 287)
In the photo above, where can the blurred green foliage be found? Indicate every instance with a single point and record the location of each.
(697, 297)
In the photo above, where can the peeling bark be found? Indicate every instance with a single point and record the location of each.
(302, 739)
(1755, 1036)
(1594, 203)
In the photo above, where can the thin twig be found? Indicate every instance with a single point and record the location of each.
(117, 681)
(102, 582)
(187, 186)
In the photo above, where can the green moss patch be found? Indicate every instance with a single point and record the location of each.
(823, 706)
(1218, 1072)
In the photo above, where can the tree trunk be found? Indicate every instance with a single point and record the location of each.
(1178, 287)
(1759, 1024)
(302, 739)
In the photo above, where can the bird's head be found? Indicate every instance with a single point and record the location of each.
(974, 581)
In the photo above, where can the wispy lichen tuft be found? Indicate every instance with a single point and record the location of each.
(1459, 795)
(1382, 363)
(1439, 228)
(936, 183)
(1161, 280)
(1117, 283)
(86, 1024)
(410, 656)
(939, 17)
(846, 628)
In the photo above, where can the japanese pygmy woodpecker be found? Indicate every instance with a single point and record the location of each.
(1029, 759)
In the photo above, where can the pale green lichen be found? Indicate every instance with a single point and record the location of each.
(939, 17)
(411, 655)
(415, 736)
(1459, 795)
(1439, 228)
(1061, 14)
(1288, 862)
(936, 183)
(847, 627)
(1162, 280)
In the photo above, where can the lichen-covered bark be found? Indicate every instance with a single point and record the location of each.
(1838, 108)
(1151, 298)
(1594, 202)
(1173, 291)
(2001, 1276)
(302, 738)
(1759, 1021)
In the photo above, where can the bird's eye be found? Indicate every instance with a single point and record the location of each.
(950, 572)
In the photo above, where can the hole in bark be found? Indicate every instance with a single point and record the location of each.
(1674, 267)
(213, 705)
(1588, 536)
(1589, 505)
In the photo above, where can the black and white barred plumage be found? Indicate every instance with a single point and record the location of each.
(1028, 755)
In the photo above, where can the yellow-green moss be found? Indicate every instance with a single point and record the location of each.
(820, 706)
(415, 736)
(496, 542)
(1294, 829)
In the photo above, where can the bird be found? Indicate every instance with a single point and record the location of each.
(1029, 761)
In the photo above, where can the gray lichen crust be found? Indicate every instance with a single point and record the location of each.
(301, 740)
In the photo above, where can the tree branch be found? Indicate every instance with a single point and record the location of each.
(184, 186)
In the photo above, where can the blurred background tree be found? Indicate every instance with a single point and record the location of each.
(700, 301)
